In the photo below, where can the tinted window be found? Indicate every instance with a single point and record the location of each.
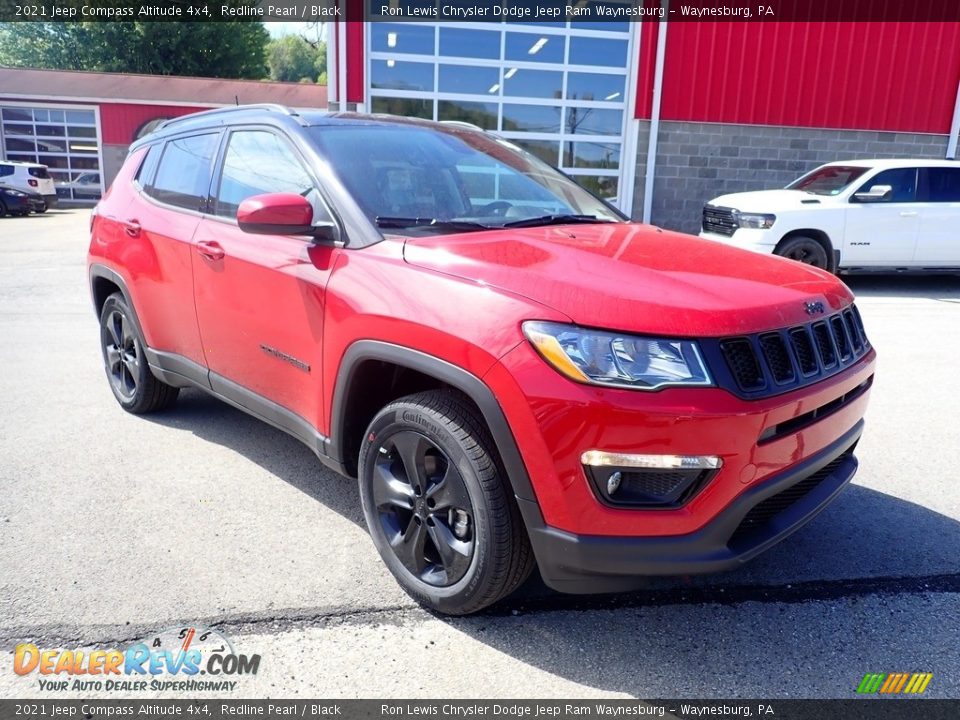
(6, 170)
(828, 180)
(902, 180)
(402, 38)
(148, 166)
(943, 184)
(259, 162)
(400, 75)
(409, 172)
(455, 42)
(183, 177)
(533, 47)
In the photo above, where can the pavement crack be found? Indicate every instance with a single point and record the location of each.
(286, 620)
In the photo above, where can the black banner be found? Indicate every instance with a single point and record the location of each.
(533, 11)
(862, 709)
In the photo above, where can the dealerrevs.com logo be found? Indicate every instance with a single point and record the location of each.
(184, 659)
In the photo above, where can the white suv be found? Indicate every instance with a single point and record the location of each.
(857, 215)
(29, 177)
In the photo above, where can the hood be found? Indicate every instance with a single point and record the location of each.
(761, 201)
(635, 278)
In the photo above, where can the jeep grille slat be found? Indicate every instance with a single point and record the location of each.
(774, 362)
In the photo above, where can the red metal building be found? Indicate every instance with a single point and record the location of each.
(80, 124)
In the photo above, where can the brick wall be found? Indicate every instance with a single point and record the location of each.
(698, 161)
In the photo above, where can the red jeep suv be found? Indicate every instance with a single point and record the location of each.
(515, 373)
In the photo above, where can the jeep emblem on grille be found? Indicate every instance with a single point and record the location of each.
(814, 308)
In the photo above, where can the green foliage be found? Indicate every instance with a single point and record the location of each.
(292, 59)
(206, 49)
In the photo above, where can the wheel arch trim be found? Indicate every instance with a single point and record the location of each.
(103, 272)
(464, 381)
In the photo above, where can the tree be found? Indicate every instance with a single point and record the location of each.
(211, 49)
(292, 58)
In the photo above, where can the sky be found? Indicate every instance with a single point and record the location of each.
(308, 30)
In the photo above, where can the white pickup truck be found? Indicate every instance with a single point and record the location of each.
(901, 215)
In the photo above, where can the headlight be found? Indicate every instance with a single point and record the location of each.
(756, 221)
(617, 360)
(14, 193)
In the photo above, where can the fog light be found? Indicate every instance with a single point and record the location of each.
(613, 482)
(648, 481)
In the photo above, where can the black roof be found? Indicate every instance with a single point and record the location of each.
(280, 115)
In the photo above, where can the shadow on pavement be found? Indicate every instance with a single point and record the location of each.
(834, 590)
(933, 287)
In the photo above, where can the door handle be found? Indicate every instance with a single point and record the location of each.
(908, 213)
(131, 227)
(210, 250)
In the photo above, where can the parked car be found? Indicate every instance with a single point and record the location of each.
(513, 371)
(850, 216)
(19, 202)
(29, 177)
(85, 186)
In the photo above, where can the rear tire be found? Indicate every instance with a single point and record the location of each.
(3, 209)
(438, 507)
(131, 381)
(805, 250)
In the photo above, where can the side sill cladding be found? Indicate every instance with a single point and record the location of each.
(452, 375)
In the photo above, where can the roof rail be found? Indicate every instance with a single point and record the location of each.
(270, 107)
(462, 124)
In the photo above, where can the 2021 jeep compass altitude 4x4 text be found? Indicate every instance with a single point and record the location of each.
(514, 372)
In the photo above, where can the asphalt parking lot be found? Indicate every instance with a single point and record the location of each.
(113, 527)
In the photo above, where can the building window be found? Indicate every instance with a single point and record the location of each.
(64, 139)
(558, 90)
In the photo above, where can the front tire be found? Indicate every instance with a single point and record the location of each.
(805, 250)
(437, 505)
(131, 381)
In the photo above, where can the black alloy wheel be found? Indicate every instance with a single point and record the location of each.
(423, 508)
(439, 507)
(122, 354)
(132, 382)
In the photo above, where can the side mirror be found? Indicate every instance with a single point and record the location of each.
(283, 214)
(877, 193)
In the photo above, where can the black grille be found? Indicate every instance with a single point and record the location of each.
(775, 352)
(821, 334)
(851, 325)
(803, 350)
(648, 488)
(773, 362)
(840, 336)
(719, 220)
(766, 510)
(743, 363)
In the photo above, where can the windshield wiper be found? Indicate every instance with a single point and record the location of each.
(554, 220)
(429, 223)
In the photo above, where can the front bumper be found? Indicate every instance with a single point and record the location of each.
(761, 241)
(757, 519)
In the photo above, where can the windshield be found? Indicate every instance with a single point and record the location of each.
(828, 180)
(415, 180)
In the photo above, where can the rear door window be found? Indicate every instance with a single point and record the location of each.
(943, 184)
(183, 175)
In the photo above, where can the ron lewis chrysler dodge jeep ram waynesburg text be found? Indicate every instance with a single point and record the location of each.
(515, 373)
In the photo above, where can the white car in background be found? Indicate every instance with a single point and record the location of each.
(901, 215)
(30, 178)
